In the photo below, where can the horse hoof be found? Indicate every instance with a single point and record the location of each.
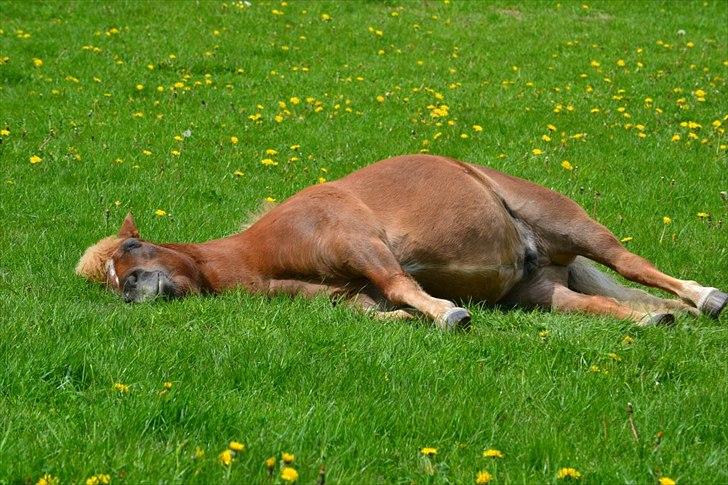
(457, 318)
(714, 303)
(658, 319)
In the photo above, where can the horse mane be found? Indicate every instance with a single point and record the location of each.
(92, 264)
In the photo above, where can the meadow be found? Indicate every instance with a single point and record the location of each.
(192, 114)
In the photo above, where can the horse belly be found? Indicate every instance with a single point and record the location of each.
(465, 282)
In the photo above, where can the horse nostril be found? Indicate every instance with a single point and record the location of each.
(132, 279)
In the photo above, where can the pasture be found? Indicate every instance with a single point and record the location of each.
(192, 114)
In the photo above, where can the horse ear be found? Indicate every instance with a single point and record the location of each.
(128, 228)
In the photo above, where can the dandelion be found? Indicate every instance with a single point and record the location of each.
(226, 457)
(675, 137)
(666, 220)
(483, 477)
(35, 159)
(703, 215)
(568, 473)
(566, 165)
(271, 151)
(4, 132)
(37, 62)
(493, 453)
(199, 453)
(546, 138)
(325, 17)
(121, 388)
(146, 152)
(160, 212)
(270, 199)
(238, 173)
(287, 457)
(666, 481)
(48, 479)
(295, 100)
(429, 451)
(543, 334)
(255, 117)
(269, 162)
(627, 340)
(140, 87)
(234, 140)
(551, 127)
(537, 151)
(236, 446)
(100, 479)
(380, 98)
(477, 128)
(270, 463)
(289, 474)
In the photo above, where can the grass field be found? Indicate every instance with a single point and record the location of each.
(191, 114)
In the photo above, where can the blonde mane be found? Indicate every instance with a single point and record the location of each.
(92, 264)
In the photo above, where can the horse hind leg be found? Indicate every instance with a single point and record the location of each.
(602, 246)
(587, 279)
(548, 289)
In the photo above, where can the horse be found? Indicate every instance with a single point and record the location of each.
(411, 236)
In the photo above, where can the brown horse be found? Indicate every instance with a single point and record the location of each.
(409, 236)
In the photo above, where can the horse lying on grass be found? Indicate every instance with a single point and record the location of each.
(410, 236)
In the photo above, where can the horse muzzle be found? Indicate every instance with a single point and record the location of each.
(141, 285)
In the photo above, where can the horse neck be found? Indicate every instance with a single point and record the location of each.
(223, 263)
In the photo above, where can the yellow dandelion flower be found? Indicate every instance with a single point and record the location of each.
(295, 100)
(269, 162)
(666, 481)
(48, 479)
(289, 474)
(37, 62)
(551, 127)
(255, 117)
(566, 165)
(464, 136)
(270, 463)
(543, 334)
(380, 98)
(271, 151)
(178, 138)
(287, 458)
(234, 140)
(666, 220)
(321, 180)
(627, 340)
(492, 452)
(621, 63)
(568, 473)
(537, 151)
(477, 128)
(147, 152)
(175, 153)
(699, 93)
(140, 87)
(483, 477)
(595, 63)
(167, 385)
(270, 199)
(4, 132)
(427, 451)
(35, 159)
(236, 446)
(160, 213)
(325, 17)
(546, 138)
(121, 388)
(675, 137)
(226, 457)
(703, 215)
(295, 147)
(238, 173)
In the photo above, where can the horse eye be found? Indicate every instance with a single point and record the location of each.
(131, 244)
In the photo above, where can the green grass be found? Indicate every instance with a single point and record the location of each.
(334, 387)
